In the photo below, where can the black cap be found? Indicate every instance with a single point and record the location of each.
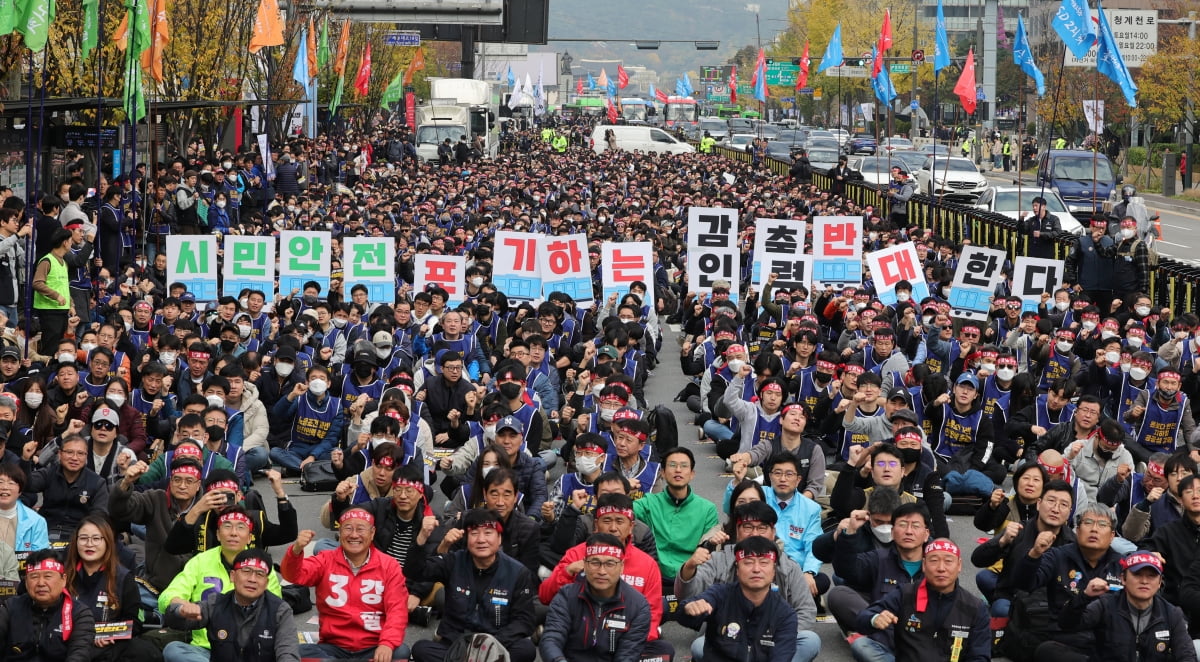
(285, 352)
(10, 352)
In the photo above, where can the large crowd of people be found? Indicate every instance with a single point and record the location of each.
(509, 470)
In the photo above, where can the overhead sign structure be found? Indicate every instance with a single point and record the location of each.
(782, 73)
(402, 38)
(847, 71)
(1136, 32)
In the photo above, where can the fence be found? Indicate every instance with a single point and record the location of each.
(1173, 283)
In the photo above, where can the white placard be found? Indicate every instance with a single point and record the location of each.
(516, 271)
(1136, 34)
(370, 262)
(712, 249)
(564, 265)
(192, 260)
(779, 250)
(304, 256)
(894, 264)
(837, 251)
(249, 264)
(448, 272)
(1032, 276)
(622, 264)
(975, 282)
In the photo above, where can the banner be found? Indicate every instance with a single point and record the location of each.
(192, 260)
(516, 270)
(837, 251)
(448, 272)
(303, 256)
(975, 282)
(370, 262)
(892, 265)
(564, 267)
(623, 263)
(779, 249)
(1093, 110)
(1032, 276)
(712, 249)
(249, 264)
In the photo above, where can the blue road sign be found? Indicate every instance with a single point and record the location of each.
(914, 105)
(402, 39)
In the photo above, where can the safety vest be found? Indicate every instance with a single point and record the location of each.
(560, 144)
(957, 432)
(706, 144)
(966, 147)
(56, 279)
(1008, 149)
(1160, 429)
(1060, 143)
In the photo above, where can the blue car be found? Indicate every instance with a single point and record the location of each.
(862, 145)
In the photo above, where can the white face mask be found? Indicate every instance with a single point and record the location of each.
(903, 297)
(216, 401)
(1005, 374)
(1125, 367)
(1062, 306)
(1127, 233)
(167, 358)
(946, 292)
(244, 331)
(860, 305)
(1089, 326)
(477, 281)
(339, 322)
(596, 390)
(489, 433)
(1136, 341)
(116, 399)
(489, 469)
(1142, 310)
(1181, 335)
(606, 415)
(1139, 373)
(66, 357)
(1112, 357)
(318, 387)
(33, 399)
(1064, 346)
(883, 532)
(88, 346)
(927, 320)
(284, 369)
(735, 367)
(220, 204)
(1106, 334)
(377, 441)
(587, 465)
(244, 303)
(987, 367)
(383, 352)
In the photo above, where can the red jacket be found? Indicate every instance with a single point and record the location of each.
(641, 572)
(357, 611)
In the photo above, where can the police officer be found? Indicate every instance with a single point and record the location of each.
(1088, 269)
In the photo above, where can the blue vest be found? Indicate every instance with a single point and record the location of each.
(1129, 393)
(1045, 418)
(994, 396)
(571, 482)
(957, 432)
(852, 439)
(1057, 367)
(351, 390)
(1159, 431)
(645, 478)
(312, 421)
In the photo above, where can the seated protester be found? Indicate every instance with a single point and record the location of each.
(963, 441)
(247, 623)
(217, 443)
(107, 456)
(374, 482)
(383, 430)
(96, 377)
(196, 531)
(1047, 410)
(629, 439)
(678, 516)
(399, 516)
(576, 521)
(66, 390)
(361, 600)
(243, 404)
(190, 436)
(1029, 479)
(884, 465)
(868, 576)
(1059, 363)
(521, 535)
(130, 423)
(863, 402)
(510, 383)
(1098, 458)
(157, 510)
(216, 391)
(1048, 579)
(1126, 490)
(934, 619)
(614, 516)
(1058, 468)
(1176, 544)
(470, 495)
(1136, 377)
(96, 579)
(467, 441)
(1135, 623)
(881, 503)
(69, 489)
(588, 461)
(793, 418)
(530, 471)
(1014, 542)
(757, 422)
(706, 568)
(1162, 420)
(603, 608)
(1160, 506)
(503, 603)
(1080, 426)
(745, 620)
(317, 422)
(799, 518)
(44, 623)
(207, 573)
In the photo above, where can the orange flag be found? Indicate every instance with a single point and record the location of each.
(417, 63)
(312, 48)
(268, 29)
(160, 34)
(343, 49)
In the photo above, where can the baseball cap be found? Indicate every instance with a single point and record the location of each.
(188, 297)
(73, 223)
(968, 378)
(106, 414)
(510, 423)
(1140, 560)
(382, 339)
(609, 351)
(285, 353)
(905, 415)
(900, 393)
(10, 352)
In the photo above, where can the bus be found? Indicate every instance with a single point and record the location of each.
(681, 112)
(634, 110)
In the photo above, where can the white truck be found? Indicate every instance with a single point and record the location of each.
(457, 107)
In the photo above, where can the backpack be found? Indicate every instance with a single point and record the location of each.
(318, 477)
(477, 647)
(664, 430)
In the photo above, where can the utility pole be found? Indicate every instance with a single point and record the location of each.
(1189, 120)
(914, 115)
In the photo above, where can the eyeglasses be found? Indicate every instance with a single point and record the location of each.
(755, 527)
(73, 453)
(239, 526)
(970, 335)
(357, 530)
(261, 574)
(452, 368)
(596, 564)
(912, 526)
(887, 464)
(787, 475)
(103, 425)
(679, 465)
(90, 540)
(183, 481)
(1095, 523)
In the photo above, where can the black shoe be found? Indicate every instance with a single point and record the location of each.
(290, 473)
(421, 616)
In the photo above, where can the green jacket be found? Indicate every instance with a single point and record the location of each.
(157, 472)
(206, 572)
(677, 527)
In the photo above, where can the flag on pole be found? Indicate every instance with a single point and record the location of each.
(137, 40)
(311, 46)
(1111, 63)
(733, 84)
(302, 73)
(160, 34)
(805, 63)
(602, 81)
(362, 80)
(759, 80)
(91, 25)
(512, 80)
(529, 91)
(579, 86)
(32, 19)
(687, 85)
(611, 90)
(515, 97)
(884, 90)
(343, 51)
(965, 87)
(591, 82)
(415, 64)
(884, 43)
(833, 52)
(660, 95)
(941, 43)
(1073, 23)
(679, 88)
(622, 77)
(611, 111)
(268, 29)
(394, 92)
(539, 93)
(323, 53)
(1023, 57)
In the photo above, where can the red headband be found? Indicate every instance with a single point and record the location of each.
(223, 485)
(193, 354)
(852, 368)
(629, 415)
(788, 407)
(1168, 374)
(942, 546)
(487, 525)
(187, 470)
(356, 513)
(189, 450)
(404, 482)
(48, 564)
(741, 555)
(827, 366)
(253, 564)
(235, 517)
(627, 513)
(1155, 469)
(613, 397)
(605, 550)
(591, 446)
(387, 462)
(912, 436)
(733, 349)
(772, 387)
(1140, 558)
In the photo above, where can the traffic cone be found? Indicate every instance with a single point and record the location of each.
(1157, 227)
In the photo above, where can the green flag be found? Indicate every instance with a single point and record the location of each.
(8, 16)
(337, 95)
(33, 18)
(394, 92)
(322, 48)
(139, 41)
(91, 26)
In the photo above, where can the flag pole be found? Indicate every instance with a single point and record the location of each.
(1062, 66)
(99, 93)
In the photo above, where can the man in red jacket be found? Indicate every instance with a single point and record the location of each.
(614, 516)
(361, 596)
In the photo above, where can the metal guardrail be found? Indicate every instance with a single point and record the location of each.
(1173, 283)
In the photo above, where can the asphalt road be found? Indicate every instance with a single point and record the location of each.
(710, 483)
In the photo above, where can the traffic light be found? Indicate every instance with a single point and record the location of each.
(796, 61)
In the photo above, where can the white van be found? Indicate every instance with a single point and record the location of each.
(643, 138)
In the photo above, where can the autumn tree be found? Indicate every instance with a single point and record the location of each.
(1166, 82)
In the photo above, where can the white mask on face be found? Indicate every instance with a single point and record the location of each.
(1139, 373)
(735, 367)
(1136, 341)
(66, 357)
(318, 387)
(1125, 367)
(88, 347)
(1062, 306)
(33, 399)
(383, 352)
(587, 465)
(1089, 326)
(927, 320)
(1005, 374)
(1142, 310)
(1064, 346)
(244, 330)
(244, 303)
(216, 401)
(606, 415)
(861, 305)
(167, 358)
(477, 281)
(489, 432)
(883, 532)
(339, 322)
(378, 441)
(1106, 334)
(220, 204)
(1112, 357)
(284, 369)
(596, 390)
(488, 470)
(116, 399)
(903, 297)
(1127, 233)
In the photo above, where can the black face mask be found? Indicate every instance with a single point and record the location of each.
(1103, 454)
(228, 345)
(910, 455)
(510, 390)
(822, 377)
(363, 370)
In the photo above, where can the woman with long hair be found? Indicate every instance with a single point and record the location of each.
(96, 578)
(471, 495)
(35, 414)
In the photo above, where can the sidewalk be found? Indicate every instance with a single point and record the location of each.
(1153, 200)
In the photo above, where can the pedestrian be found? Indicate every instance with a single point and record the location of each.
(52, 295)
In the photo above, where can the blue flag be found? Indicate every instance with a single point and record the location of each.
(941, 45)
(1110, 62)
(833, 52)
(760, 86)
(687, 85)
(612, 88)
(652, 93)
(680, 90)
(884, 90)
(1074, 26)
(512, 80)
(1023, 57)
(591, 82)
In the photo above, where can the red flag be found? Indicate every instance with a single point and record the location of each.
(884, 43)
(802, 77)
(965, 87)
(760, 65)
(660, 95)
(578, 86)
(622, 78)
(733, 84)
(363, 80)
(612, 111)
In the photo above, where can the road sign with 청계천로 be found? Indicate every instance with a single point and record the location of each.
(1136, 34)
(402, 38)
